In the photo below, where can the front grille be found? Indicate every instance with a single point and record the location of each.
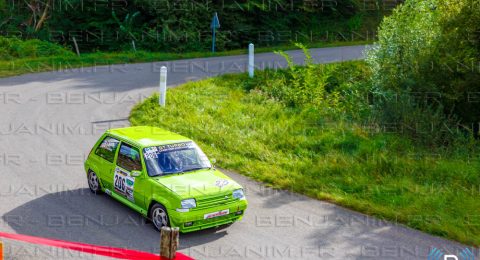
(207, 223)
(214, 201)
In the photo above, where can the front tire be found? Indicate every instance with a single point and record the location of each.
(94, 183)
(159, 216)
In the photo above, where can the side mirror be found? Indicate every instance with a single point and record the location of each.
(135, 173)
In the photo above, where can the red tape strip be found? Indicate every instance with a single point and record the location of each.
(114, 252)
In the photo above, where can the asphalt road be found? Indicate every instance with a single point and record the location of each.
(49, 122)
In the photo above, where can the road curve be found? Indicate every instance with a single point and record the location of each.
(49, 122)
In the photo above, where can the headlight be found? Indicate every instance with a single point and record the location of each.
(188, 203)
(238, 194)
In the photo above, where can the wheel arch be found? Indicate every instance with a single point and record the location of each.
(169, 216)
(154, 201)
(89, 169)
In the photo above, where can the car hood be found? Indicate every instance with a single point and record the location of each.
(199, 183)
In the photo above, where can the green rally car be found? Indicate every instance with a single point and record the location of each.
(165, 177)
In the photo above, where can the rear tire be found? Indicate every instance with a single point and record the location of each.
(159, 216)
(94, 183)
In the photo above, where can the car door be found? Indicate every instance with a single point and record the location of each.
(124, 184)
(103, 159)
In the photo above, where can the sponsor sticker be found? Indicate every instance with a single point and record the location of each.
(124, 183)
(221, 183)
(216, 214)
(152, 152)
(109, 144)
(168, 147)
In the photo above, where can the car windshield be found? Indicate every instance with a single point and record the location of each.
(174, 158)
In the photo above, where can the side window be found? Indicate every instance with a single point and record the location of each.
(107, 148)
(129, 158)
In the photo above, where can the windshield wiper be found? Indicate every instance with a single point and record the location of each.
(166, 173)
(180, 172)
(193, 169)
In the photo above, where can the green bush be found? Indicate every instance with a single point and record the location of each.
(333, 90)
(11, 48)
(425, 67)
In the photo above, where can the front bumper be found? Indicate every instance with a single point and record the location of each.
(196, 217)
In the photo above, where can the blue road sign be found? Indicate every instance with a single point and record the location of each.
(215, 22)
(214, 25)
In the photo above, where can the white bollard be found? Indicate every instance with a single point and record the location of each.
(163, 86)
(251, 60)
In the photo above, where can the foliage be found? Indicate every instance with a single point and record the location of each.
(333, 90)
(13, 48)
(181, 26)
(126, 26)
(425, 68)
(383, 174)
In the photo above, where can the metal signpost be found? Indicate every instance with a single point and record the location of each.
(215, 25)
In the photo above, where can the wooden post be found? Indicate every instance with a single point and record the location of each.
(133, 45)
(169, 241)
(175, 241)
(76, 46)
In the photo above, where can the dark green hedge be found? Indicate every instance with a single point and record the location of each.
(184, 25)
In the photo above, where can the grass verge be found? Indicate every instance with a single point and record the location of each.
(380, 174)
(20, 66)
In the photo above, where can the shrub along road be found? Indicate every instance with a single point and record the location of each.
(51, 120)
